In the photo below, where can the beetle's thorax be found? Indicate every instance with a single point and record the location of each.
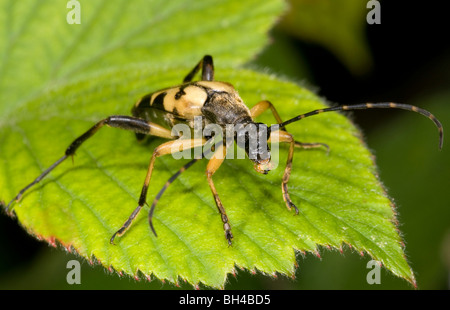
(223, 104)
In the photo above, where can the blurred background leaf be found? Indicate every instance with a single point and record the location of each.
(338, 26)
(418, 177)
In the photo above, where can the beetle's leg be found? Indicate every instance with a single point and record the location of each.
(214, 163)
(170, 181)
(284, 136)
(264, 105)
(173, 178)
(118, 121)
(313, 145)
(207, 66)
(164, 149)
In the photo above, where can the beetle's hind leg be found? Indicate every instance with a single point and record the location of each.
(9, 210)
(207, 66)
(118, 121)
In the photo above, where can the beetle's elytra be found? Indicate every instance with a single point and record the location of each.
(217, 103)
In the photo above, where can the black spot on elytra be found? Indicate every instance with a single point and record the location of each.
(180, 93)
(158, 102)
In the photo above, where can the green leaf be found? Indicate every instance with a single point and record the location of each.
(57, 80)
(39, 48)
(82, 204)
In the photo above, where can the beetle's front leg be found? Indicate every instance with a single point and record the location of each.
(261, 107)
(283, 136)
(286, 137)
(214, 163)
(164, 149)
(265, 105)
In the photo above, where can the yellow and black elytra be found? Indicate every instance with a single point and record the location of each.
(217, 103)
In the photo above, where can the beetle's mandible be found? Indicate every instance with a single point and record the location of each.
(217, 103)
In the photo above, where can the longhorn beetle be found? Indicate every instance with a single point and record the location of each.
(218, 103)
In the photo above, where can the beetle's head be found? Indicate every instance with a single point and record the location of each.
(253, 138)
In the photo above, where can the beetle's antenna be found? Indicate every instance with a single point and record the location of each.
(364, 106)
